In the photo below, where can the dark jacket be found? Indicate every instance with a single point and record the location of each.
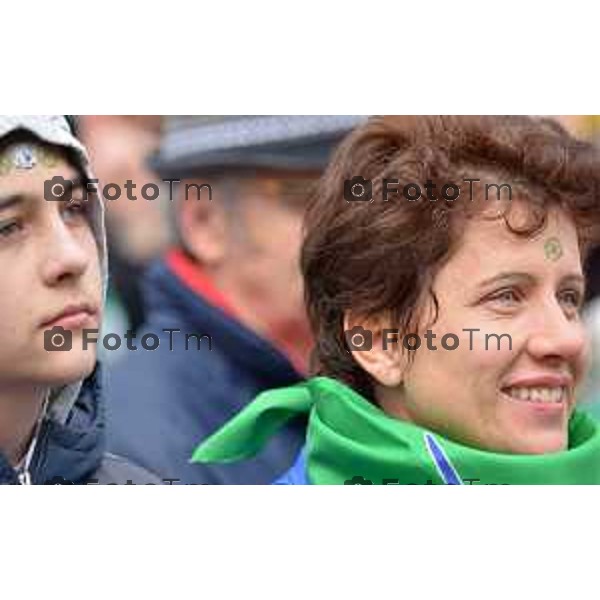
(74, 452)
(163, 403)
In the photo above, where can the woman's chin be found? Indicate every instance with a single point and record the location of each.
(536, 441)
(534, 427)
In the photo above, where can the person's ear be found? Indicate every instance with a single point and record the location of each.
(203, 229)
(375, 346)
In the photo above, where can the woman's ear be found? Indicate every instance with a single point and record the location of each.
(375, 346)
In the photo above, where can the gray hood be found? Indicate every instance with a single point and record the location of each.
(55, 130)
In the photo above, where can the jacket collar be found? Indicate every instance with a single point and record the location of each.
(196, 280)
(180, 293)
(71, 450)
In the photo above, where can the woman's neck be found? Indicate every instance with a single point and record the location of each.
(20, 410)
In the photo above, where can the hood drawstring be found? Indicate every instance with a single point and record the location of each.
(23, 473)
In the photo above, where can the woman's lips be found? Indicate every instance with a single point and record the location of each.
(542, 391)
(540, 398)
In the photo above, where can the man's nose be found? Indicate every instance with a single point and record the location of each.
(65, 257)
(555, 335)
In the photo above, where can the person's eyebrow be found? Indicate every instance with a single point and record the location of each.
(511, 277)
(11, 200)
(507, 277)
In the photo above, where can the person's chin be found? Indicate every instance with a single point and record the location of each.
(63, 368)
(522, 437)
(534, 427)
(541, 442)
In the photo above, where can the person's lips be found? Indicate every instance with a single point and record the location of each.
(72, 316)
(540, 389)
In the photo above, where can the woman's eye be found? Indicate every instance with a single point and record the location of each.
(505, 296)
(7, 229)
(573, 298)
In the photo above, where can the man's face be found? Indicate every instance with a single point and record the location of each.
(266, 247)
(519, 400)
(254, 249)
(50, 273)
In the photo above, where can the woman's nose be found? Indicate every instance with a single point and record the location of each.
(555, 335)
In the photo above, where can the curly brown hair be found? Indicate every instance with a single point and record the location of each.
(380, 257)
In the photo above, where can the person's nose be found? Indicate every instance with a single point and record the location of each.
(65, 257)
(556, 336)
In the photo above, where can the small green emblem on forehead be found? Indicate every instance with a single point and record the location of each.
(25, 156)
(552, 249)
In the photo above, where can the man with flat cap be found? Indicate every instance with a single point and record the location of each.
(226, 303)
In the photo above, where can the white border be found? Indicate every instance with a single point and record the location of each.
(308, 58)
(300, 542)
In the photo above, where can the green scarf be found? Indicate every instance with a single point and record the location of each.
(351, 441)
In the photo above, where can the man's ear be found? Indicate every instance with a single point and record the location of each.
(381, 355)
(203, 229)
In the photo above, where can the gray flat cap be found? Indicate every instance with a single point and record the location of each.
(191, 145)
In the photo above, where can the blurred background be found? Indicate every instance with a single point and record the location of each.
(588, 127)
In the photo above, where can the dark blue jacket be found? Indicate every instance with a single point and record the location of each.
(74, 452)
(163, 403)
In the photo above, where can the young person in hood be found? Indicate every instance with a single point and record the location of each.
(53, 264)
(449, 339)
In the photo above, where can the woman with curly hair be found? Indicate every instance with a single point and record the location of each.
(443, 268)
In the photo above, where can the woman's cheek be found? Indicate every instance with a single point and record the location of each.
(489, 347)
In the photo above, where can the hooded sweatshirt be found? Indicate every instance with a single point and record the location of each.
(69, 444)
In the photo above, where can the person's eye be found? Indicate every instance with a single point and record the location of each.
(10, 228)
(573, 299)
(505, 297)
(75, 209)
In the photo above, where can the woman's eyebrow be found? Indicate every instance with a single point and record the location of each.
(574, 279)
(526, 278)
(506, 277)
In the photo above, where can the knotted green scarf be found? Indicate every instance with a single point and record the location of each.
(350, 440)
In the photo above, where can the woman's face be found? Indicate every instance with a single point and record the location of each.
(491, 396)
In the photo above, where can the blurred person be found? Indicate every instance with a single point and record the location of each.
(233, 278)
(53, 263)
(396, 404)
(137, 229)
